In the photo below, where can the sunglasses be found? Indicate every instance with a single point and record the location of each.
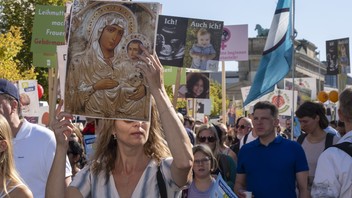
(203, 139)
(240, 126)
(201, 161)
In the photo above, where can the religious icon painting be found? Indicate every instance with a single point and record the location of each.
(102, 79)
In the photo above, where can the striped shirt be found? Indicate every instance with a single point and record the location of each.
(95, 186)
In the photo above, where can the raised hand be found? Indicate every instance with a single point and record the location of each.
(62, 126)
(153, 71)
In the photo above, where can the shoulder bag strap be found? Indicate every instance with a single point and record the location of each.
(161, 184)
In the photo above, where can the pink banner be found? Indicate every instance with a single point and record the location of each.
(234, 43)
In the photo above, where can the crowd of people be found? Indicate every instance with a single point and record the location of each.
(173, 156)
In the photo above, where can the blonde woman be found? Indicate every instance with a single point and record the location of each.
(11, 184)
(131, 155)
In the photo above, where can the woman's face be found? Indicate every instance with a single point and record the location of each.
(132, 133)
(110, 37)
(308, 124)
(202, 165)
(198, 88)
(209, 138)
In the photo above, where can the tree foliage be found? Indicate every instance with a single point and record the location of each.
(20, 13)
(10, 44)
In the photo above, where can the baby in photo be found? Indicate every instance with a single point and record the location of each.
(202, 51)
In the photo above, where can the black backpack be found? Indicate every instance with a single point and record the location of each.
(236, 147)
(345, 146)
(328, 140)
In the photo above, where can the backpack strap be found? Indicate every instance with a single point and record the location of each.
(224, 167)
(329, 140)
(161, 184)
(235, 148)
(184, 193)
(245, 139)
(345, 146)
(300, 138)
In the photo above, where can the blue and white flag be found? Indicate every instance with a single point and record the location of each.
(277, 56)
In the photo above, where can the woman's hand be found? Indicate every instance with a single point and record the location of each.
(62, 126)
(153, 71)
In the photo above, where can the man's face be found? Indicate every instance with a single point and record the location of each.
(288, 124)
(188, 124)
(5, 106)
(264, 123)
(243, 128)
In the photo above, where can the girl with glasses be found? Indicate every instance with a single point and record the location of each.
(204, 164)
(206, 134)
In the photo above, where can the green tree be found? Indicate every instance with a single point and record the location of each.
(20, 13)
(10, 44)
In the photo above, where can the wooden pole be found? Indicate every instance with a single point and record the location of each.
(223, 83)
(53, 84)
(194, 102)
(177, 87)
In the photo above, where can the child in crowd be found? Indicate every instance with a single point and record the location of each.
(204, 164)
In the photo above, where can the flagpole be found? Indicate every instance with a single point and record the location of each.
(223, 93)
(293, 36)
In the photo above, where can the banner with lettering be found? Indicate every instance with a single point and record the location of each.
(48, 28)
(234, 43)
(188, 42)
(171, 40)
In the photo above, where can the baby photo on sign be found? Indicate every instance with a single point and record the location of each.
(102, 78)
(203, 44)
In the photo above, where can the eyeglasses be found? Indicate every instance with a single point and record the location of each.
(202, 161)
(209, 138)
(240, 126)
